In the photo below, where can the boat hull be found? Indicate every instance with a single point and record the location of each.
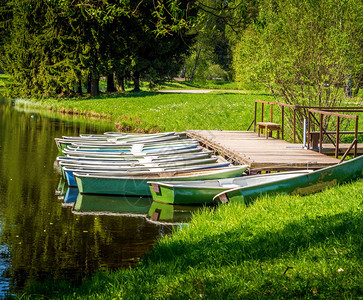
(302, 185)
(203, 192)
(138, 186)
(69, 172)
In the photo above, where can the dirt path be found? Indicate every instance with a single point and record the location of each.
(186, 91)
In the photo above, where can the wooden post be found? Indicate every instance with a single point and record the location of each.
(294, 125)
(282, 122)
(321, 134)
(356, 136)
(337, 139)
(254, 126)
(309, 129)
(272, 112)
(262, 109)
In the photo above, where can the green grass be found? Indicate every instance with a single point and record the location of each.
(210, 84)
(151, 112)
(279, 247)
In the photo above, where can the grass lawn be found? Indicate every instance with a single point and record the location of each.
(151, 112)
(278, 247)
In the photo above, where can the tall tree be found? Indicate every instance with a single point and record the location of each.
(306, 51)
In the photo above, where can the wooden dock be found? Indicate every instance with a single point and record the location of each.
(261, 154)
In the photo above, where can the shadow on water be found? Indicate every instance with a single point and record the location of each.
(39, 237)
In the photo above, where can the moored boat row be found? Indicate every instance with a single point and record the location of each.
(180, 172)
(145, 158)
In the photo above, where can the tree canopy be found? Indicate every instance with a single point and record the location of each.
(54, 46)
(307, 51)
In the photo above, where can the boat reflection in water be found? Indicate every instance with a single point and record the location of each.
(164, 213)
(62, 188)
(100, 204)
(144, 207)
(70, 196)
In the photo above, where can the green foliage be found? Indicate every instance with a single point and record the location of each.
(54, 46)
(305, 51)
(279, 247)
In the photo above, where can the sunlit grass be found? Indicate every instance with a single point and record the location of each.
(210, 84)
(279, 247)
(150, 112)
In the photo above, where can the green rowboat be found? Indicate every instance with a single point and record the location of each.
(133, 185)
(302, 185)
(202, 192)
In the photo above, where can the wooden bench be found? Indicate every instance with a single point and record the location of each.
(268, 127)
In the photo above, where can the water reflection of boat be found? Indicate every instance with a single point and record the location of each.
(169, 213)
(61, 188)
(97, 204)
(70, 197)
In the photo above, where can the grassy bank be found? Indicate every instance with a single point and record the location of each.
(151, 112)
(280, 247)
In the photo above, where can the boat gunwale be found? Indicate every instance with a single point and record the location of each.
(129, 144)
(121, 159)
(136, 164)
(129, 154)
(186, 183)
(183, 174)
(176, 169)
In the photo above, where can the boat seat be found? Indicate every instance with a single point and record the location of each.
(230, 186)
(227, 182)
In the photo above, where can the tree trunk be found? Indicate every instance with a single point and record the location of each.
(348, 88)
(110, 84)
(79, 87)
(120, 83)
(89, 80)
(94, 86)
(195, 65)
(136, 78)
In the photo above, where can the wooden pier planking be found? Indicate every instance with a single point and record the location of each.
(261, 154)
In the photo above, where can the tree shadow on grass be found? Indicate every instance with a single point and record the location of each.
(243, 244)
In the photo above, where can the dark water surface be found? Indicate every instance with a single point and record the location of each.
(40, 238)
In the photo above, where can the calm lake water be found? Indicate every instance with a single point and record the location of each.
(41, 238)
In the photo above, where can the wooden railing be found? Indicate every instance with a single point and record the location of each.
(297, 110)
(337, 130)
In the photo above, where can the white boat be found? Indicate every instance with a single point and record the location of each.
(133, 171)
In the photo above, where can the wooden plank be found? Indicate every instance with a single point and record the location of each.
(259, 153)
